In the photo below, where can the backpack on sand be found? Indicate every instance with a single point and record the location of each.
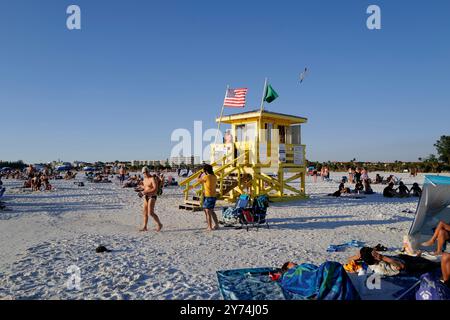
(431, 288)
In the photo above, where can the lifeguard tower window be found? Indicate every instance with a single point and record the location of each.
(240, 132)
(293, 136)
(246, 132)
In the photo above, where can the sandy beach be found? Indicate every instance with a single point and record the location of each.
(44, 233)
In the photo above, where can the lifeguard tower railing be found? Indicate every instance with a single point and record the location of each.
(223, 168)
(241, 168)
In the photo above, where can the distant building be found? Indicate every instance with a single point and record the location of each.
(137, 163)
(191, 160)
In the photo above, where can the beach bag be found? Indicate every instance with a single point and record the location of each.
(247, 217)
(231, 215)
(262, 201)
(431, 288)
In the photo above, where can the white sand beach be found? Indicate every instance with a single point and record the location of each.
(43, 233)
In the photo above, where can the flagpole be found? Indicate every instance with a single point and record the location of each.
(221, 114)
(263, 96)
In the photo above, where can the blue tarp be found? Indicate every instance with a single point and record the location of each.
(255, 284)
(250, 284)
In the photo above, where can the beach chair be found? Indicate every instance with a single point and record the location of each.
(256, 215)
(233, 215)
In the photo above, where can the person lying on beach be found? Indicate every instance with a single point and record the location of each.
(441, 235)
(392, 266)
(403, 190)
(416, 190)
(389, 191)
(341, 190)
(69, 175)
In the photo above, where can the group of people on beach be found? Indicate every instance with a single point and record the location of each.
(360, 178)
(402, 191)
(151, 186)
(324, 174)
(371, 259)
(37, 180)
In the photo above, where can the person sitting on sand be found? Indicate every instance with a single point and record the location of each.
(341, 190)
(445, 267)
(150, 189)
(46, 182)
(441, 235)
(359, 188)
(378, 179)
(389, 191)
(403, 190)
(367, 187)
(209, 181)
(416, 190)
(36, 183)
(392, 266)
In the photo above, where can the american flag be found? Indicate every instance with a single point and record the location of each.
(235, 98)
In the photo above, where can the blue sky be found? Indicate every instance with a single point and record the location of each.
(137, 70)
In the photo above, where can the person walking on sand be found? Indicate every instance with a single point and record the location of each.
(314, 174)
(150, 185)
(209, 181)
(350, 175)
(122, 173)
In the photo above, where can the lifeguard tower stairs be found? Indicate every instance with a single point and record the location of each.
(264, 156)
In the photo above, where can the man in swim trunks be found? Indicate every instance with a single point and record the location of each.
(122, 174)
(150, 185)
(209, 181)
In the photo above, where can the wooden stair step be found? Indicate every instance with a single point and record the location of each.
(190, 207)
(193, 202)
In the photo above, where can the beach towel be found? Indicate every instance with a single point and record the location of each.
(373, 287)
(329, 281)
(340, 247)
(251, 284)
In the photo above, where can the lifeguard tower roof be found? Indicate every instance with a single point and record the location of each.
(254, 114)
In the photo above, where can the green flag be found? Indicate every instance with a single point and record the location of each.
(270, 94)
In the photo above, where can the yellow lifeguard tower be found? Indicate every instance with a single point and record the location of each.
(261, 154)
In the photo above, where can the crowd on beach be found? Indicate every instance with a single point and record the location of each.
(150, 186)
(359, 177)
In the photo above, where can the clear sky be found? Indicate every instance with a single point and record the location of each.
(137, 70)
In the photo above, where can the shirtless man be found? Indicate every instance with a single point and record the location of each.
(122, 174)
(150, 185)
